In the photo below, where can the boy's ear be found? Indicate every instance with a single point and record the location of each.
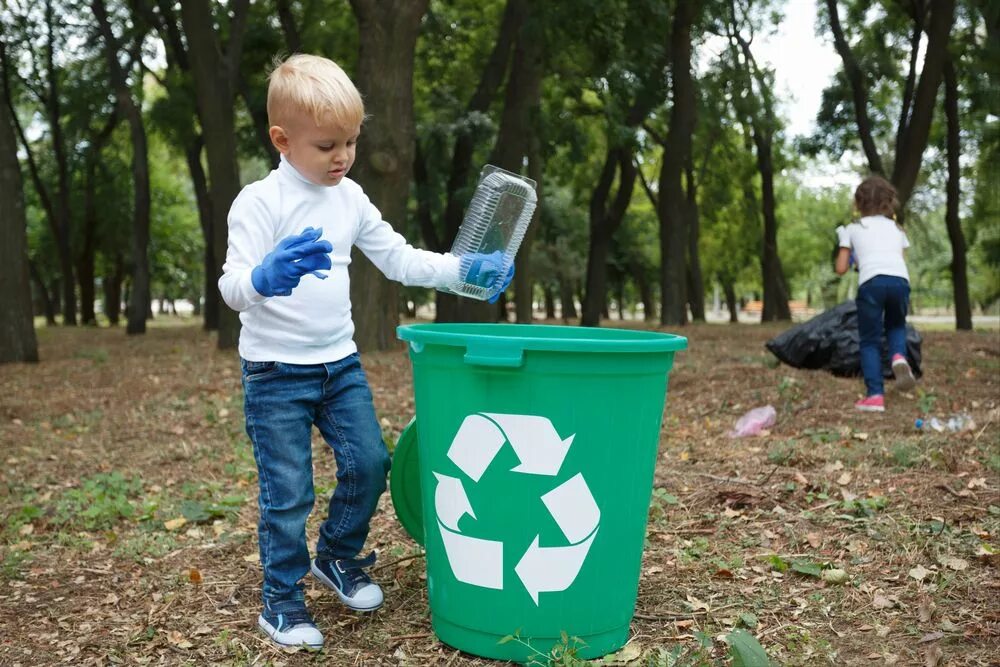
(279, 138)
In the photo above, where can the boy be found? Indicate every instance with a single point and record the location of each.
(299, 361)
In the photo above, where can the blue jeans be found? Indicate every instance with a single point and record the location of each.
(881, 297)
(282, 402)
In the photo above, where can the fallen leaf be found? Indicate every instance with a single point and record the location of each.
(948, 626)
(178, 640)
(814, 540)
(194, 576)
(954, 563)
(931, 637)
(174, 524)
(26, 529)
(925, 610)
(860, 436)
(932, 658)
(631, 652)
(919, 573)
(845, 478)
(110, 598)
(977, 483)
(800, 478)
(252, 558)
(834, 576)
(833, 467)
(697, 604)
(882, 602)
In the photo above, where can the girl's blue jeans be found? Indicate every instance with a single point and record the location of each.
(881, 299)
(282, 402)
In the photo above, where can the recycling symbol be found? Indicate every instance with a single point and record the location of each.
(541, 451)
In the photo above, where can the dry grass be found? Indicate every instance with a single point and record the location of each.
(95, 568)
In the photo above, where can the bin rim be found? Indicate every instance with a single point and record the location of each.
(543, 337)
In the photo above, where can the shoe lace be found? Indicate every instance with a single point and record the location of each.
(295, 617)
(353, 572)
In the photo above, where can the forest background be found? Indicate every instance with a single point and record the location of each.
(668, 179)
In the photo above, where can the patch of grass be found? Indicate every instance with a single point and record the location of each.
(865, 507)
(783, 453)
(143, 545)
(659, 502)
(13, 564)
(100, 502)
(904, 455)
(98, 355)
(926, 400)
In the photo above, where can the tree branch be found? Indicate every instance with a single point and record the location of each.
(856, 78)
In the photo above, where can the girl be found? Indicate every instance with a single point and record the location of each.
(877, 242)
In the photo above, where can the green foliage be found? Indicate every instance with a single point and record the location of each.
(99, 502)
(745, 650)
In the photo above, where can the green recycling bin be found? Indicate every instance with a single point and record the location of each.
(528, 480)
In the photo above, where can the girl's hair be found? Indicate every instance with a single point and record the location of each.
(876, 196)
(316, 86)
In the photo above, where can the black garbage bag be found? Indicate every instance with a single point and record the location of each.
(830, 341)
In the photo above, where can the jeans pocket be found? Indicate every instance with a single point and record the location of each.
(258, 370)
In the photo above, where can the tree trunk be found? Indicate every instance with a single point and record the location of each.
(85, 261)
(63, 220)
(140, 303)
(604, 222)
(908, 160)
(113, 291)
(567, 299)
(550, 303)
(859, 89)
(87, 256)
(731, 304)
(17, 326)
(451, 308)
(210, 293)
(671, 202)
(696, 283)
(384, 165)
(775, 307)
(214, 79)
(959, 273)
(49, 300)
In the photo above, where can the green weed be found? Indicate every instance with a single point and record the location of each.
(100, 502)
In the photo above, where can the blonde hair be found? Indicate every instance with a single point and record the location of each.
(314, 85)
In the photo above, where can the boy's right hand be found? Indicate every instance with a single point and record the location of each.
(295, 256)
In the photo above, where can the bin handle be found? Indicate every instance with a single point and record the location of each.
(493, 356)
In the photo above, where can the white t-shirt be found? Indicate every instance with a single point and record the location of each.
(878, 244)
(313, 325)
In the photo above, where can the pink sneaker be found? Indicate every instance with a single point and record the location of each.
(903, 374)
(874, 403)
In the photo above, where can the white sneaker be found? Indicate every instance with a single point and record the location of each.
(353, 585)
(294, 628)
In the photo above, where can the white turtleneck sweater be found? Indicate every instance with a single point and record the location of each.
(313, 325)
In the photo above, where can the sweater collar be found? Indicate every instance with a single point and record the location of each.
(285, 167)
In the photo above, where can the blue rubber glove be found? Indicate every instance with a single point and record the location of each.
(295, 256)
(484, 270)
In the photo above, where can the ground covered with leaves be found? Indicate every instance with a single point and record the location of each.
(129, 501)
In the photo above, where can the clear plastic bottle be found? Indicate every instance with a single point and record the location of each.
(496, 220)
